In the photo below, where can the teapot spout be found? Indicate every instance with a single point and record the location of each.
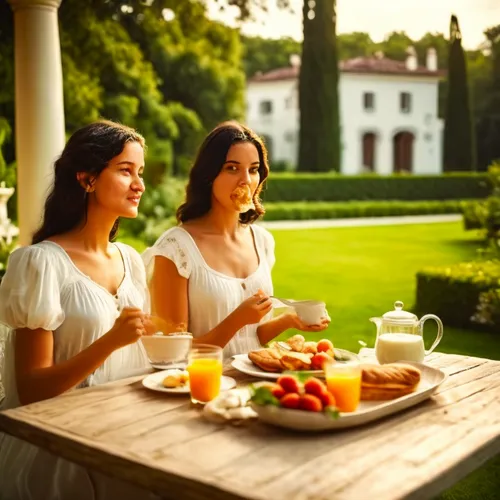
(377, 321)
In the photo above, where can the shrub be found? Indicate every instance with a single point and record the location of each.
(157, 211)
(474, 215)
(461, 295)
(334, 187)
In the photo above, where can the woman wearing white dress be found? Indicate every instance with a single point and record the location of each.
(212, 274)
(74, 303)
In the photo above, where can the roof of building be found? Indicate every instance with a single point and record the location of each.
(371, 65)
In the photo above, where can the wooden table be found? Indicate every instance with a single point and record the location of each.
(161, 442)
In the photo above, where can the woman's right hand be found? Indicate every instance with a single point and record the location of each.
(128, 328)
(253, 309)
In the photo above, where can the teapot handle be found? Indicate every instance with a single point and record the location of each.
(423, 319)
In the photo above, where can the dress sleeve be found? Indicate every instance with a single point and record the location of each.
(172, 247)
(30, 292)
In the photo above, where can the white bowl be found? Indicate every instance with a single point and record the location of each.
(310, 311)
(167, 349)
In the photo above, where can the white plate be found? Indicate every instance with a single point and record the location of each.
(172, 366)
(243, 364)
(367, 411)
(154, 382)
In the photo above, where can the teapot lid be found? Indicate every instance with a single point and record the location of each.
(399, 316)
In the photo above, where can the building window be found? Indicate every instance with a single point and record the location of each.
(289, 102)
(290, 136)
(266, 107)
(405, 102)
(369, 101)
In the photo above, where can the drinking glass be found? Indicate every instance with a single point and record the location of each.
(343, 380)
(205, 372)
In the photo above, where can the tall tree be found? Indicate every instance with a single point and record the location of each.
(264, 54)
(355, 44)
(459, 143)
(319, 136)
(395, 45)
(488, 127)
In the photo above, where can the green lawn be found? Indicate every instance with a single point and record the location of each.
(360, 273)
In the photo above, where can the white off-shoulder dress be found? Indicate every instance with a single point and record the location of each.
(212, 295)
(43, 288)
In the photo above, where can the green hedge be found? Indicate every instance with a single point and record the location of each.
(332, 210)
(453, 292)
(474, 215)
(334, 187)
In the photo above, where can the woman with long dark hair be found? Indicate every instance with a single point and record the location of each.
(212, 273)
(74, 301)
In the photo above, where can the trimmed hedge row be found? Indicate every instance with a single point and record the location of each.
(453, 292)
(353, 209)
(335, 187)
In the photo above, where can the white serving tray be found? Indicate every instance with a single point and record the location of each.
(368, 411)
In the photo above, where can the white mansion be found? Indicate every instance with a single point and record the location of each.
(388, 109)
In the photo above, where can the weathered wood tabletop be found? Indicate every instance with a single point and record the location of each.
(160, 442)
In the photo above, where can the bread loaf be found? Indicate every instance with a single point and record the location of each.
(385, 382)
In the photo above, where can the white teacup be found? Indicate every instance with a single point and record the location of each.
(311, 312)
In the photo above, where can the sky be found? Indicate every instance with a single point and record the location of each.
(378, 18)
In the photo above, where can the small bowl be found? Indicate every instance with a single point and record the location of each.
(310, 311)
(167, 349)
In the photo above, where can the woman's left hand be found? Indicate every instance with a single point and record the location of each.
(298, 324)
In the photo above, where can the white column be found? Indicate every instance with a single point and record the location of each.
(39, 106)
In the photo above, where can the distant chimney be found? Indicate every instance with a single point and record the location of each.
(432, 59)
(295, 60)
(411, 59)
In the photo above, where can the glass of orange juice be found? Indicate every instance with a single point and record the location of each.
(343, 380)
(205, 372)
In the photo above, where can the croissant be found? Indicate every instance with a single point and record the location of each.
(242, 198)
(384, 382)
(266, 359)
(296, 342)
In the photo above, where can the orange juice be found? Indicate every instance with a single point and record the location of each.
(346, 388)
(204, 379)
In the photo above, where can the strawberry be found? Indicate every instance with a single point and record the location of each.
(309, 402)
(315, 387)
(325, 345)
(290, 400)
(278, 391)
(289, 383)
(328, 399)
(319, 359)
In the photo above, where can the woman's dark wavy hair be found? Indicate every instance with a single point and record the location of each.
(88, 150)
(207, 165)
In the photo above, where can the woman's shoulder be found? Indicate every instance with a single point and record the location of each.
(265, 241)
(36, 254)
(128, 251)
(262, 233)
(33, 264)
(177, 233)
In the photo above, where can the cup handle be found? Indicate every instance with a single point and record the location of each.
(423, 319)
